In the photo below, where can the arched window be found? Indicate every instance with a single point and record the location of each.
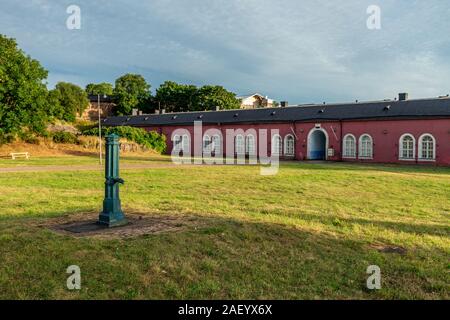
(349, 146)
(427, 147)
(239, 144)
(250, 147)
(177, 143)
(277, 145)
(407, 147)
(289, 145)
(216, 144)
(365, 147)
(186, 144)
(207, 144)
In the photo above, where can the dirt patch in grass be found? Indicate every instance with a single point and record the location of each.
(83, 225)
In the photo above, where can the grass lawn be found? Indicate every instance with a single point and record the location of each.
(309, 232)
(77, 160)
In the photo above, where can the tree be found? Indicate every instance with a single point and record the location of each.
(103, 88)
(131, 91)
(175, 97)
(23, 94)
(210, 97)
(72, 98)
(56, 110)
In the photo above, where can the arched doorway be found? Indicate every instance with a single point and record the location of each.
(317, 144)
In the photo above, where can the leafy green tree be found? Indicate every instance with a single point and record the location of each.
(176, 97)
(130, 91)
(23, 93)
(210, 97)
(54, 98)
(73, 100)
(103, 88)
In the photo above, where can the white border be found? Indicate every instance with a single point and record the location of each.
(420, 148)
(278, 153)
(285, 144)
(400, 147)
(360, 144)
(343, 146)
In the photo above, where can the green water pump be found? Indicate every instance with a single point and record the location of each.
(112, 214)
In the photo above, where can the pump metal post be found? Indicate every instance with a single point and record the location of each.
(112, 215)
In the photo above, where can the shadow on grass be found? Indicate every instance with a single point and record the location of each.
(143, 157)
(356, 166)
(78, 153)
(420, 229)
(223, 258)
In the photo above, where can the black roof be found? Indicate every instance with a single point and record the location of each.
(409, 109)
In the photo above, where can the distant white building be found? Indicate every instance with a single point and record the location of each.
(255, 101)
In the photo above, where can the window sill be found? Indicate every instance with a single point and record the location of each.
(365, 158)
(404, 159)
(427, 160)
(344, 157)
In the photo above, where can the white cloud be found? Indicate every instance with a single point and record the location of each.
(296, 50)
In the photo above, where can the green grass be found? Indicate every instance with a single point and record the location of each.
(308, 232)
(77, 160)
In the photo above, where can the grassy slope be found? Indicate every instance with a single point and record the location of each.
(304, 233)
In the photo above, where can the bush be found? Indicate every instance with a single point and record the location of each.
(65, 137)
(31, 139)
(28, 137)
(6, 138)
(83, 125)
(150, 140)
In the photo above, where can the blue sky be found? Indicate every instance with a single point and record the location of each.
(295, 50)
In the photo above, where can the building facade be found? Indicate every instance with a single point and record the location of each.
(404, 131)
(255, 101)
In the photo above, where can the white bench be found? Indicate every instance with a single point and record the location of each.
(15, 155)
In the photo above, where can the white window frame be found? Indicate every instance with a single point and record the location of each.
(239, 144)
(345, 154)
(250, 148)
(186, 144)
(280, 145)
(177, 143)
(287, 151)
(421, 147)
(360, 147)
(207, 144)
(216, 144)
(400, 147)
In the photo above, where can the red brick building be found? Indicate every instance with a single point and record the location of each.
(389, 131)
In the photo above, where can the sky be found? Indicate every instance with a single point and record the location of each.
(302, 51)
